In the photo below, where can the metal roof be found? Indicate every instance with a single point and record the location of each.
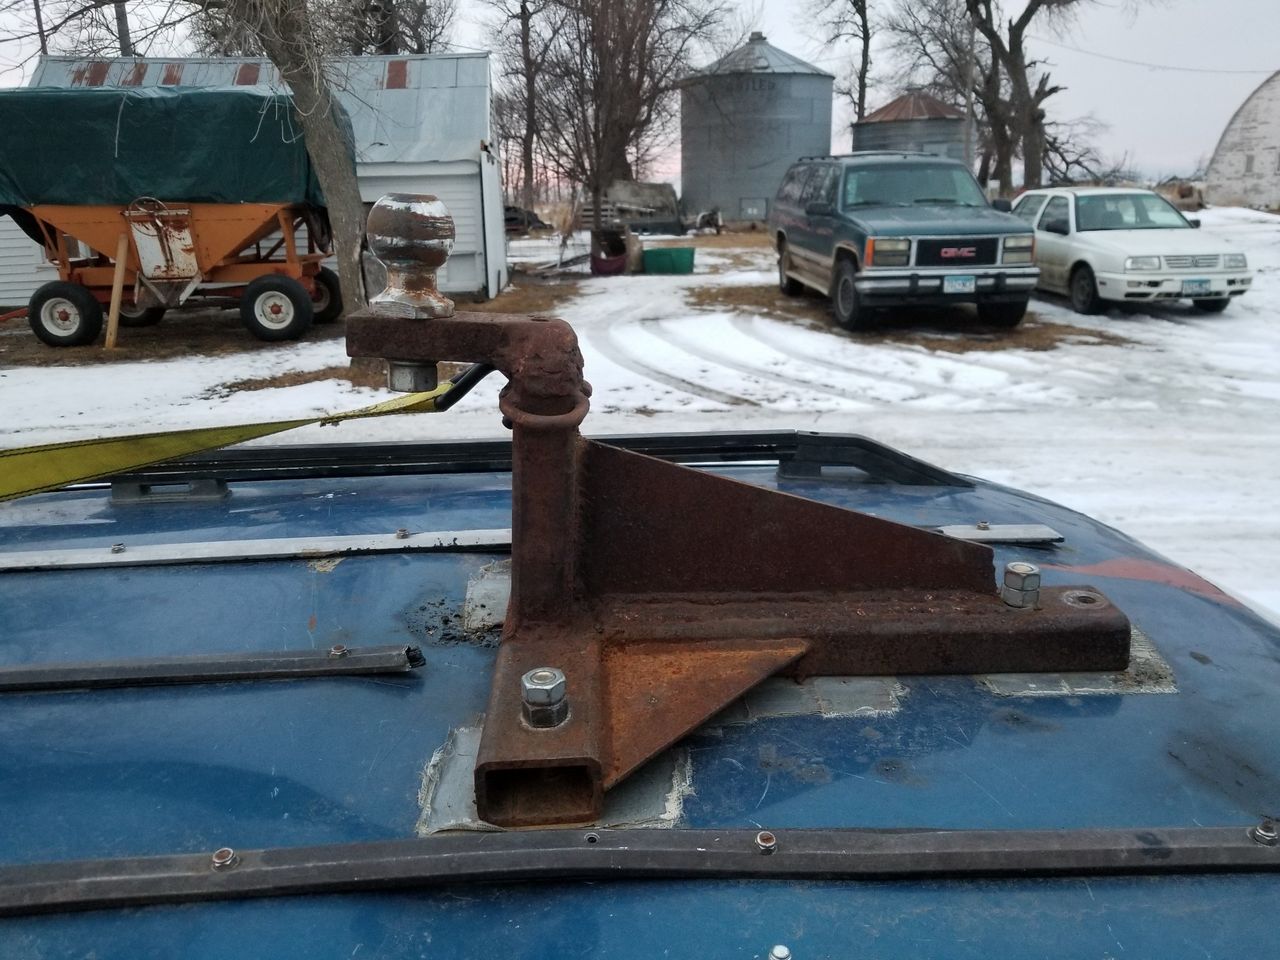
(759, 56)
(913, 106)
(404, 109)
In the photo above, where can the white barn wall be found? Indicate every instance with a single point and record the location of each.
(1245, 170)
(22, 265)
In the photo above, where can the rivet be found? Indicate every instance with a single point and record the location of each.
(339, 650)
(984, 525)
(766, 841)
(402, 534)
(1265, 833)
(779, 951)
(117, 548)
(224, 858)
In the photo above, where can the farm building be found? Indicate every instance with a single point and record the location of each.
(1245, 169)
(743, 121)
(914, 121)
(421, 126)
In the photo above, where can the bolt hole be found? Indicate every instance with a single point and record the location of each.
(1086, 599)
(593, 838)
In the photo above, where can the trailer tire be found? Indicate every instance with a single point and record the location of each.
(276, 308)
(327, 302)
(65, 314)
(133, 316)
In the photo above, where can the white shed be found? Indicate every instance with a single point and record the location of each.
(1245, 170)
(421, 126)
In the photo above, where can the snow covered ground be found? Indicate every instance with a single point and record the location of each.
(1171, 436)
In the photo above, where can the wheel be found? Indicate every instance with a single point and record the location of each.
(1084, 291)
(1002, 314)
(326, 303)
(845, 301)
(276, 308)
(788, 285)
(65, 314)
(132, 315)
(1212, 306)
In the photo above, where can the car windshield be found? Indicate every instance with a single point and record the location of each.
(900, 184)
(1127, 211)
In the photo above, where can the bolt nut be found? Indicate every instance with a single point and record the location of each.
(543, 686)
(224, 858)
(1021, 587)
(117, 548)
(984, 524)
(1265, 833)
(402, 533)
(411, 377)
(766, 842)
(543, 697)
(779, 951)
(339, 650)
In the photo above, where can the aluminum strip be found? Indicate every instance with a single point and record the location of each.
(236, 551)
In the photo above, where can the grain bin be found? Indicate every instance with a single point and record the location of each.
(914, 122)
(743, 121)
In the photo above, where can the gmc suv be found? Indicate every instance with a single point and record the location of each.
(874, 230)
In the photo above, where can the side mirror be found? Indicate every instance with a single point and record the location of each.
(819, 208)
(1003, 204)
(1056, 226)
(1195, 222)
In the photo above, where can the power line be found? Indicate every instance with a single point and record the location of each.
(1143, 63)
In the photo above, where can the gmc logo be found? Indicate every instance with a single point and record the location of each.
(952, 253)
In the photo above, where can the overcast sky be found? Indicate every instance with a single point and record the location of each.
(1165, 120)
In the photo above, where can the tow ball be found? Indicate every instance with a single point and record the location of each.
(647, 596)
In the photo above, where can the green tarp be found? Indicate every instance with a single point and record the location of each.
(114, 145)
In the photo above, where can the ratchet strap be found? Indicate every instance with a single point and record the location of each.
(28, 470)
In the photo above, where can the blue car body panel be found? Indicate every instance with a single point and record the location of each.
(115, 773)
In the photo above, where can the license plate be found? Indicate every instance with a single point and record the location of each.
(959, 284)
(1194, 288)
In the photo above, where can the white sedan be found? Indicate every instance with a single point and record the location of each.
(1128, 246)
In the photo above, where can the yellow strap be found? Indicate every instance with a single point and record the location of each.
(28, 470)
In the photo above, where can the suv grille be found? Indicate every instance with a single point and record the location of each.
(956, 252)
(1208, 262)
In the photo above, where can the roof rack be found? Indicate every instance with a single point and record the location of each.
(873, 153)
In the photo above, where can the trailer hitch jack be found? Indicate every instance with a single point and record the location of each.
(663, 593)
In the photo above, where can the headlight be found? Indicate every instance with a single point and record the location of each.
(1142, 263)
(1020, 249)
(1235, 261)
(888, 253)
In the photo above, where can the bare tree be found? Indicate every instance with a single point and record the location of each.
(609, 80)
(850, 21)
(1070, 152)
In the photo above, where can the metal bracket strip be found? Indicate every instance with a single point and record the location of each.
(237, 551)
(337, 661)
(559, 855)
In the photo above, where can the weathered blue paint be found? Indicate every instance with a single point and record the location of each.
(131, 772)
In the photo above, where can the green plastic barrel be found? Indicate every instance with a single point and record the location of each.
(668, 260)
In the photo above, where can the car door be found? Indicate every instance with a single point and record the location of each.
(1054, 243)
(818, 210)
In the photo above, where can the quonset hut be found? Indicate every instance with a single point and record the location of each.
(743, 121)
(913, 122)
(1245, 169)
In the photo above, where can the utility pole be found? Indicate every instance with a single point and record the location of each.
(44, 44)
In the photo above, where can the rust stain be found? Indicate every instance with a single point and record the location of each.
(247, 74)
(78, 74)
(172, 75)
(1152, 571)
(135, 76)
(97, 74)
(311, 622)
(397, 74)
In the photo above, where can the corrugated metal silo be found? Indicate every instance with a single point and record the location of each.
(744, 120)
(913, 122)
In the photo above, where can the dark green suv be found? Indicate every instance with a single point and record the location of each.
(873, 230)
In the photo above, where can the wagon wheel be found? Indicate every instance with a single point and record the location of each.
(326, 301)
(276, 308)
(64, 314)
(132, 315)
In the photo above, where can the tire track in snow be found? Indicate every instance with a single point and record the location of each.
(603, 340)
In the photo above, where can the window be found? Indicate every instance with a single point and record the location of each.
(901, 184)
(1248, 163)
(1029, 207)
(821, 187)
(1056, 210)
(1127, 211)
(793, 183)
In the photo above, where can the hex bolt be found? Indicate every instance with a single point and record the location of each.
(1265, 833)
(1021, 587)
(402, 533)
(766, 842)
(405, 377)
(117, 548)
(543, 699)
(339, 650)
(779, 951)
(224, 858)
(984, 525)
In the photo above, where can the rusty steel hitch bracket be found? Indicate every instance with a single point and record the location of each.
(660, 594)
